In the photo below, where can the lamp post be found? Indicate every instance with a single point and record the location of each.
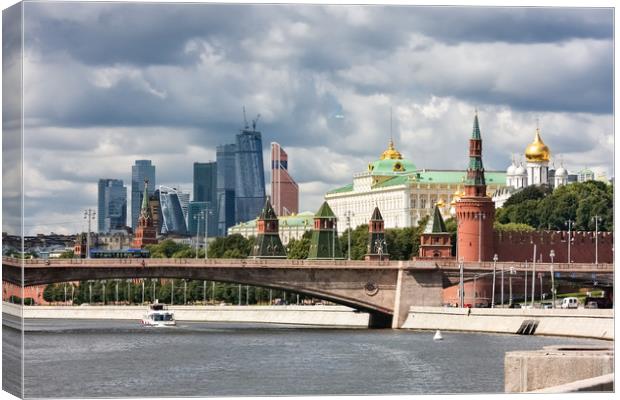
(142, 291)
(204, 292)
(461, 284)
(153, 290)
(247, 295)
(552, 255)
(512, 272)
(597, 219)
(65, 289)
(569, 223)
(379, 243)
(129, 291)
(184, 291)
(474, 294)
(480, 216)
(90, 216)
(172, 291)
(525, 286)
(348, 215)
(103, 283)
(197, 218)
(90, 292)
(207, 213)
(116, 290)
(533, 276)
(213, 292)
(493, 291)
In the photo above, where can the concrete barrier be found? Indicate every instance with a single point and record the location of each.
(558, 369)
(292, 314)
(604, 383)
(587, 323)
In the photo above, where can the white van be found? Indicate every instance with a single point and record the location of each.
(570, 302)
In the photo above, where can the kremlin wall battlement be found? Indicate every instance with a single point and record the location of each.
(519, 246)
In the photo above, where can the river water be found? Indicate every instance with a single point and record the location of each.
(72, 358)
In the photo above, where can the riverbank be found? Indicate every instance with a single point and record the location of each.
(579, 323)
(319, 315)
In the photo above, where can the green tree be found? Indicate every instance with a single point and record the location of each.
(298, 249)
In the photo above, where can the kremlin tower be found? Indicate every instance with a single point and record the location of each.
(475, 211)
(145, 234)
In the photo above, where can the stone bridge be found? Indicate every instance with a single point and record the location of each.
(385, 289)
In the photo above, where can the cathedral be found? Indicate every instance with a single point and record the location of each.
(536, 171)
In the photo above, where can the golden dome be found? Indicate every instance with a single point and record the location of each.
(391, 153)
(537, 151)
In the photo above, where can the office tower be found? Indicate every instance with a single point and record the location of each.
(141, 171)
(226, 176)
(205, 181)
(184, 200)
(155, 208)
(112, 205)
(284, 190)
(250, 180)
(173, 219)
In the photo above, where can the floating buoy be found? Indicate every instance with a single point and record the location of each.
(438, 335)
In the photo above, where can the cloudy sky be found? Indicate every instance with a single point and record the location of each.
(105, 84)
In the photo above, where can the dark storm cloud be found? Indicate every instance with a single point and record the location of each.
(108, 83)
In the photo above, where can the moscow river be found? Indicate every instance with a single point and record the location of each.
(73, 358)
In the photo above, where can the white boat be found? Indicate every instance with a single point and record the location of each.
(438, 335)
(158, 316)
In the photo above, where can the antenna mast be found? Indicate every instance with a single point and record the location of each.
(245, 120)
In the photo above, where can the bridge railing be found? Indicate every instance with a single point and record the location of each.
(425, 264)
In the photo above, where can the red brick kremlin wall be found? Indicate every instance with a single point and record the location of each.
(519, 246)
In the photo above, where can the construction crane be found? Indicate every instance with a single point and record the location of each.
(254, 122)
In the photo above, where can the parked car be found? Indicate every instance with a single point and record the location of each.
(570, 302)
(591, 304)
(547, 305)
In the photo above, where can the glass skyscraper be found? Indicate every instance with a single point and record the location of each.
(250, 179)
(143, 169)
(172, 216)
(112, 205)
(205, 181)
(226, 177)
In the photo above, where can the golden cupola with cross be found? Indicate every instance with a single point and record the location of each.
(537, 151)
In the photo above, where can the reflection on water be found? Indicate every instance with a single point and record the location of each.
(122, 358)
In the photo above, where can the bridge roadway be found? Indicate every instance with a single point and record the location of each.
(385, 289)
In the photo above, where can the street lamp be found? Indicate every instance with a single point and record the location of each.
(153, 290)
(103, 283)
(116, 290)
(142, 291)
(493, 291)
(480, 216)
(461, 284)
(239, 294)
(512, 272)
(197, 218)
(379, 243)
(597, 219)
(184, 291)
(172, 291)
(552, 255)
(90, 216)
(348, 215)
(129, 291)
(569, 223)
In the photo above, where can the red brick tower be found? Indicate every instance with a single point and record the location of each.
(475, 211)
(145, 234)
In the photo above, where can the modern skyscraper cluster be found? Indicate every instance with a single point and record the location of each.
(112, 205)
(227, 191)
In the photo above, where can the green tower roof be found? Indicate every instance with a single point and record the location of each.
(325, 211)
(436, 224)
(475, 134)
(376, 215)
(268, 212)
